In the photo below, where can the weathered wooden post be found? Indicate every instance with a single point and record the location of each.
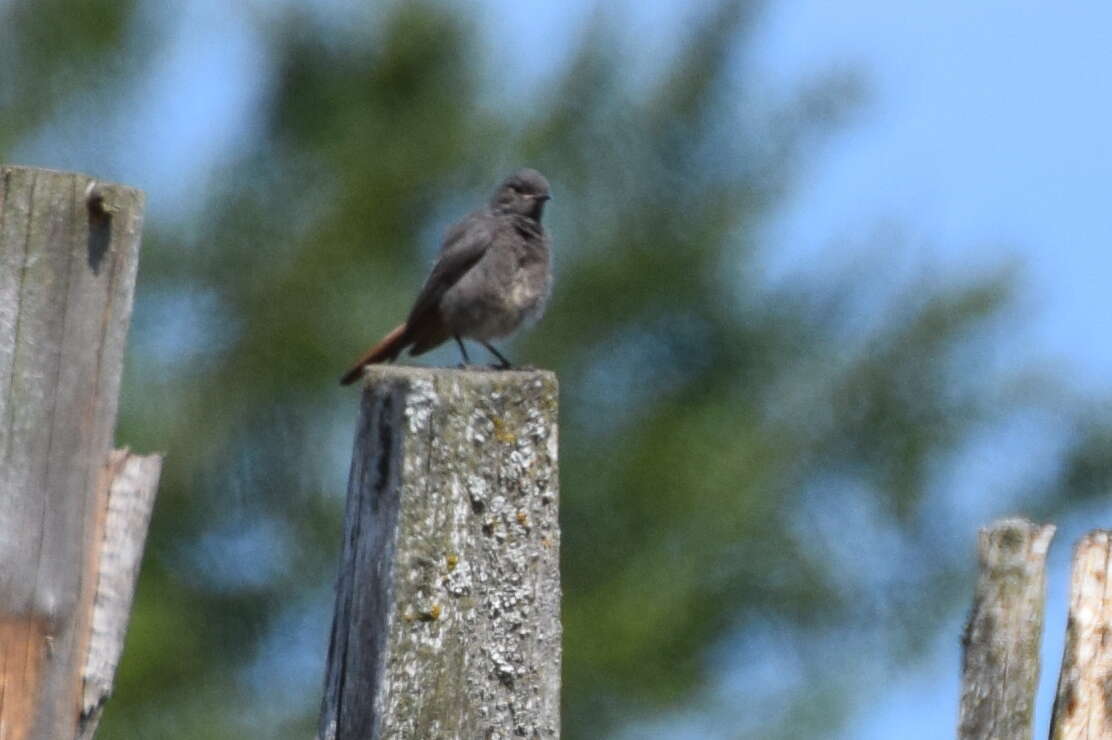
(1083, 704)
(447, 619)
(1000, 662)
(73, 513)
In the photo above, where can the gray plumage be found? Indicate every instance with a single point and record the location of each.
(493, 274)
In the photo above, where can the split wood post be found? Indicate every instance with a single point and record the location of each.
(1083, 704)
(447, 619)
(1000, 660)
(73, 513)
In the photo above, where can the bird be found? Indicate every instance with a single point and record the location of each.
(493, 274)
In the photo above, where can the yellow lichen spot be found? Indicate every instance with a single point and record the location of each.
(452, 560)
(549, 402)
(431, 614)
(523, 518)
(501, 433)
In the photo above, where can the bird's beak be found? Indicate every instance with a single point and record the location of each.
(542, 198)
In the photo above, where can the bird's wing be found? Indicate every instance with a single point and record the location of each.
(464, 245)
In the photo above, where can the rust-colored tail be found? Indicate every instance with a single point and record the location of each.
(387, 349)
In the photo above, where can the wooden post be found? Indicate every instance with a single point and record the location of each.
(1083, 704)
(72, 513)
(1000, 662)
(447, 620)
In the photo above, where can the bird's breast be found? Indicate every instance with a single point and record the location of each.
(506, 289)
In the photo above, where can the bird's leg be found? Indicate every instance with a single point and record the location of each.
(505, 363)
(462, 351)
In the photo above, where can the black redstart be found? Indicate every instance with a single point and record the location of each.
(493, 273)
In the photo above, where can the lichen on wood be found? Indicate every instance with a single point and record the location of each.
(448, 600)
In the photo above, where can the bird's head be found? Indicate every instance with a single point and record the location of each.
(523, 193)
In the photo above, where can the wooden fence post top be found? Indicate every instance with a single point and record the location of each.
(1014, 543)
(471, 376)
(447, 620)
(100, 195)
(1000, 656)
(73, 516)
(1083, 701)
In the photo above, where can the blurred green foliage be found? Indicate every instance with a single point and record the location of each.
(750, 473)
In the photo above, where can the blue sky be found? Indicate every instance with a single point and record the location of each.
(988, 137)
